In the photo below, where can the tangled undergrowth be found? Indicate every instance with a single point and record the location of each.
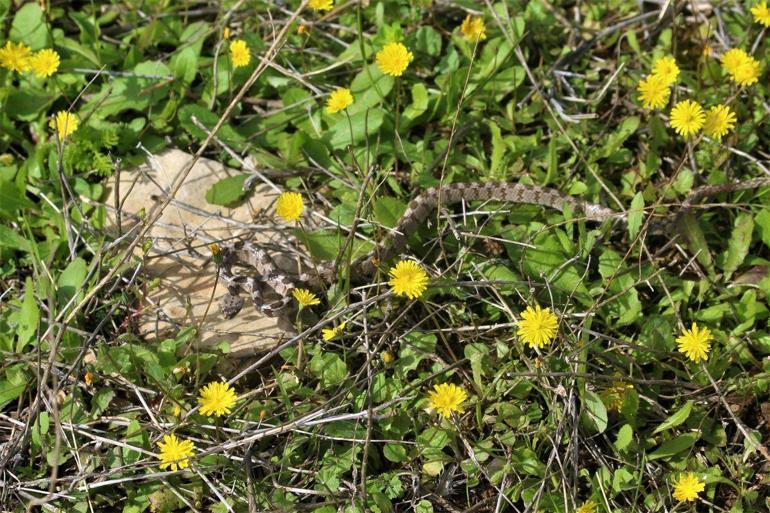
(513, 358)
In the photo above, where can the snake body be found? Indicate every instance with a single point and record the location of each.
(250, 255)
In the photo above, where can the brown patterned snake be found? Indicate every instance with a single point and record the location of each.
(249, 255)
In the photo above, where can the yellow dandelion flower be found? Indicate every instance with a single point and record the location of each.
(741, 67)
(653, 92)
(688, 487)
(587, 507)
(761, 14)
(393, 59)
(44, 63)
(330, 333)
(666, 69)
(340, 99)
(537, 326)
(687, 117)
(387, 357)
(217, 399)
(175, 453)
(226, 33)
(303, 30)
(305, 298)
(64, 124)
(408, 279)
(15, 56)
(447, 398)
(695, 343)
(719, 121)
(321, 5)
(473, 28)
(88, 378)
(239, 53)
(289, 206)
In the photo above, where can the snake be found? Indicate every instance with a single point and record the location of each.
(250, 255)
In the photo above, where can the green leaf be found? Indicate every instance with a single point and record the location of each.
(675, 419)
(14, 383)
(428, 41)
(688, 227)
(227, 192)
(394, 452)
(12, 199)
(595, 412)
(674, 446)
(26, 104)
(423, 507)
(740, 240)
(617, 138)
(13, 240)
(71, 281)
(388, 210)
(635, 215)
(29, 316)
(329, 369)
(418, 106)
(325, 244)
(625, 436)
(29, 27)
(364, 123)
(135, 436)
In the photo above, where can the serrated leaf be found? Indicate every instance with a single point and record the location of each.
(227, 192)
(676, 419)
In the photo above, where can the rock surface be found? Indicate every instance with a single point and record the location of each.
(187, 291)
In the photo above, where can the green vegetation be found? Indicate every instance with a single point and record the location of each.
(547, 363)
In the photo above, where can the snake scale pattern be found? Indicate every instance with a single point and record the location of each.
(265, 271)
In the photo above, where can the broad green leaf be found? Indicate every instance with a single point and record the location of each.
(418, 106)
(675, 419)
(29, 27)
(13, 384)
(12, 199)
(635, 215)
(227, 192)
(617, 138)
(595, 412)
(326, 244)
(388, 210)
(363, 124)
(29, 316)
(674, 446)
(688, 227)
(625, 437)
(13, 240)
(71, 281)
(394, 452)
(134, 436)
(369, 88)
(740, 240)
(329, 369)
(26, 104)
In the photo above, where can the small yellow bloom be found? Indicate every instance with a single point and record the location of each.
(393, 59)
(339, 100)
(719, 121)
(387, 357)
(761, 14)
(226, 33)
(741, 67)
(89, 379)
(44, 63)
(330, 333)
(687, 118)
(408, 279)
(174, 453)
(305, 298)
(688, 487)
(321, 5)
(303, 30)
(447, 398)
(666, 69)
(64, 124)
(695, 343)
(653, 92)
(289, 206)
(587, 507)
(15, 57)
(239, 53)
(473, 28)
(217, 399)
(707, 51)
(537, 326)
